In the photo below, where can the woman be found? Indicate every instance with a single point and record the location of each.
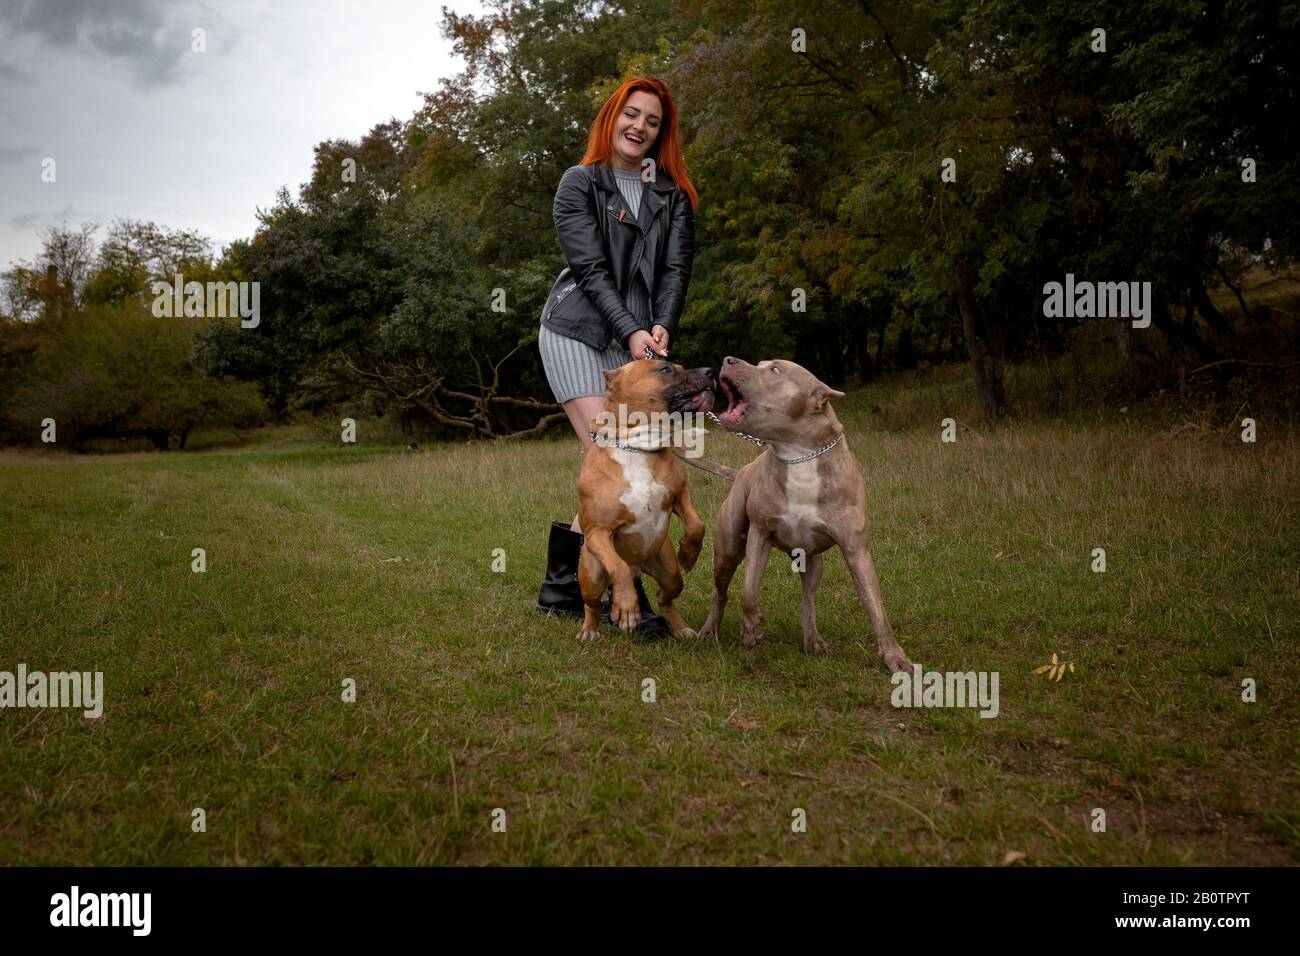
(629, 240)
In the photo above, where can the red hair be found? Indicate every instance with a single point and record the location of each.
(667, 149)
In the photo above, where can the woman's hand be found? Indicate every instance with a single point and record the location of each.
(639, 340)
(660, 335)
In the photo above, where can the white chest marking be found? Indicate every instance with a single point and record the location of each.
(644, 496)
(802, 491)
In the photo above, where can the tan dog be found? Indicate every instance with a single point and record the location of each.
(813, 499)
(630, 484)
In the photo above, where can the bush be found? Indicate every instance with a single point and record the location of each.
(117, 371)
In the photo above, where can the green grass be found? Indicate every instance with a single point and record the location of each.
(223, 689)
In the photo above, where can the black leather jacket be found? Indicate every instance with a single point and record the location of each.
(604, 244)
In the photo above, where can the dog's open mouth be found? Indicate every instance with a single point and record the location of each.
(736, 403)
(699, 400)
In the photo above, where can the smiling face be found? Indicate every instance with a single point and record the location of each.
(636, 129)
(774, 400)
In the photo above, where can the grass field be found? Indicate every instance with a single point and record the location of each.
(223, 689)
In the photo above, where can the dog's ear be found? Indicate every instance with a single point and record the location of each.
(822, 394)
(611, 373)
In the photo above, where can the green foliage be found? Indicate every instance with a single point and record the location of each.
(819, 166)
(134, 253)
(817, 142)
(118, 371)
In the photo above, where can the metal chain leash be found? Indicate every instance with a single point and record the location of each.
(714, 418)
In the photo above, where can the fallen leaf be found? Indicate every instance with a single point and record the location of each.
(1013, 856)
(210, 695)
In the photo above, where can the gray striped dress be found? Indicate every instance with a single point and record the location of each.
(573, 368)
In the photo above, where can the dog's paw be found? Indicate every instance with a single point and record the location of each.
(896, 661)
(751, 634)
(813, 644)
(626, 615)
(586, 635)
(686, 632)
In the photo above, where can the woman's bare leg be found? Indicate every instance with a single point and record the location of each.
(581, 411)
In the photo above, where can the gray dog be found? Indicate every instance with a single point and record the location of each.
(804, 491)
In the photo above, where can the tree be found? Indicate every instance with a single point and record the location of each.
(135, 253)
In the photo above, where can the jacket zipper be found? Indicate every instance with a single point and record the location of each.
(560, 298)
(640, 240)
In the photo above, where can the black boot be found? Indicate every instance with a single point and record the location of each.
(560, 593)
(651, 626)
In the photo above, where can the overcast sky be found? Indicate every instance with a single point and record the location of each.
(141, 127)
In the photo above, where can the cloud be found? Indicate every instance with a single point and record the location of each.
(150, 36)
(27, 220)
(16, 154)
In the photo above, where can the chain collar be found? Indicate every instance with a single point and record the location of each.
(812, 454)
(611, 443)
(789, 461)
